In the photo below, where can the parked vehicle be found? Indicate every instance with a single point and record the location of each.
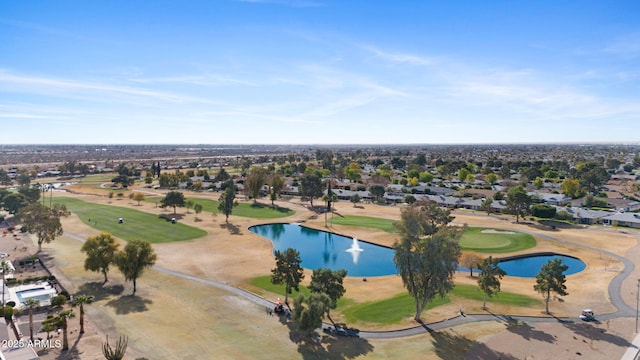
(587, 315)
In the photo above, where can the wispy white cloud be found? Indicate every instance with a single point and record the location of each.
(85, 89)
(200, 80)
(248, 115)
(403, 58)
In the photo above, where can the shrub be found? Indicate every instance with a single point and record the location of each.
(563, 215)
(543, 211)
(58, 300)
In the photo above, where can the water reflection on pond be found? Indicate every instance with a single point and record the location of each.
(322, 249)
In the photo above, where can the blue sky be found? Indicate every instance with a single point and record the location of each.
(319, 72)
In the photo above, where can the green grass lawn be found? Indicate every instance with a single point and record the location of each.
(474, 239)
(401, 306)
(365, 221)
(137, 225)
(257, 211)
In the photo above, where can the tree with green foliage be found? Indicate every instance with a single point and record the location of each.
(24, 178)
(571, 188)
(222, 175)
(311, 185)
(173, 199)
(148, 179)
(489, 278)
(543, 211)
(101, 251)
(276, 184)
(538, 182)
(30, 304)
(355, 199)
(287, 271)
(518, 202)
(4, 177)
(58, 301)
(328, 282)
(43, 221)
(188, 204)
(123, 180)
(61, 321)
(138, 197)
(8, 312)
(31, 192)
(227, 201)
(255, 181)
(491, 178)
(487, 205)
(309, 310)
(377, 191)
(426, 177)
(14, 202)
(197, 208)
(591, 175)
(409, 199)
(80, 301)
(116, 353)
(550, 279)
(353, 172)
(427, 254)
(463, 173)
(134, 259)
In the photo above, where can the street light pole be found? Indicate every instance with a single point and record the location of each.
(637, 303)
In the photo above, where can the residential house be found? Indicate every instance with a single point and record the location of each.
(631, 220)
(549, 198)
(585, 216)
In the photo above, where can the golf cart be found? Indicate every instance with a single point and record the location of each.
(587, 315)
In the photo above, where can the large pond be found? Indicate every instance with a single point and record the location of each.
(529, 266)
(321, 249)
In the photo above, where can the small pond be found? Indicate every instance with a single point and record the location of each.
(529, 266)
(321, 249)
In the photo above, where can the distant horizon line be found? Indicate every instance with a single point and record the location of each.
(628, 143)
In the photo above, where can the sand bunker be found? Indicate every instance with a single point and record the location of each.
(494, 231)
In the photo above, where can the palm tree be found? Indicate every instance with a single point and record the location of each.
(4, 266)
(80, 300)
(60, 321)
(9, 312)
(31, 304)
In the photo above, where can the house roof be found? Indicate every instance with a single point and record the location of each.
(583, 213)
(626, 217)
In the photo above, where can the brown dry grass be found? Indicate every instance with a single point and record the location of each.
(175, 318)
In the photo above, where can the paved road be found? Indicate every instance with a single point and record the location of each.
(623, 310)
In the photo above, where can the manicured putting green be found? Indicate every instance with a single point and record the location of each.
(365, 221)
(487, 240)
(137, 225)
(256, 211)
